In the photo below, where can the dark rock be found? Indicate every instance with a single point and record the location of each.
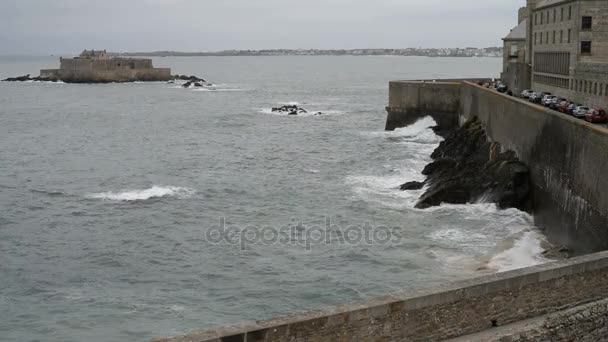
(188, 78)
(558, 253)
(187, 84)
(28, 78)
(197, 84)
(438, 165)
(412, 186)
(289, 110)
(467, 167)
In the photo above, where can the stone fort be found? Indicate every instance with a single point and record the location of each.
(96, 66)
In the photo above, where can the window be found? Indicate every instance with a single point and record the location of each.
(561, 17)
(547, 38)
(542, 17)
(569, 35)
(535, 18)
(595, 88)
(561, 36)
(586, 47)
(535, 38)
(570, 13)
(587, 23)
(553, 37)
(554, 14)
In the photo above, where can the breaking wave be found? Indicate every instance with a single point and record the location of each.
(146, 194)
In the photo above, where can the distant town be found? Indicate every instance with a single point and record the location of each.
(442, 52)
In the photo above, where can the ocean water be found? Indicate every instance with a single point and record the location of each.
(132, 211)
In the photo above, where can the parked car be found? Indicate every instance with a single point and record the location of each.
(581, 111)
(563, 107)
(572, 107)
(596, 115)
(548, 99)
(556, 103)
(538, 97)
(502, 88)
(527, 93)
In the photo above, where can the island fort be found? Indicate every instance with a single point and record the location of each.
(96, 66)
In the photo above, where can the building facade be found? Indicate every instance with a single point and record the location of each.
(516, 70)
(567, 44)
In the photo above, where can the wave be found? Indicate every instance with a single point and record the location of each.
(525, 251)
(146, 194)
(418, 132)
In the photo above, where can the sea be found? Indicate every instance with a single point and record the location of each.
(140, 210)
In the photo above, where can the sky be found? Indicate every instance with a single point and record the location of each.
(69, 26)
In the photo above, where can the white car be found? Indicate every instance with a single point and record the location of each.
(581, 111)
(548, 99)
(527, 93)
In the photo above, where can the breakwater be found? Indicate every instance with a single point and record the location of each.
(566, 156)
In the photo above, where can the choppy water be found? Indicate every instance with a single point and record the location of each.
(112, 196)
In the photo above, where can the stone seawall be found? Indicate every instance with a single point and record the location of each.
(567, 157)
(456, 309)
(410, 100)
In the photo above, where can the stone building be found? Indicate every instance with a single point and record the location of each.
(567, 45)
(92, 54)
(516, 71)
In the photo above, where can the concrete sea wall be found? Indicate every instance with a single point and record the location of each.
(571, 292)
(567, 157)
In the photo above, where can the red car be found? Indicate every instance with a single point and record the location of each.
(564, 107)
(596, 115)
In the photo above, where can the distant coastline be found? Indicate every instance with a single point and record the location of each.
(441, 52)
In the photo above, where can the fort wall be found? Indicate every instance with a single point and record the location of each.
(83, 70)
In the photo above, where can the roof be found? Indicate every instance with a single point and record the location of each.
(519, 32)
(545, 3)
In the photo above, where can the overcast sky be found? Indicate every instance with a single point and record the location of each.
(68, 26)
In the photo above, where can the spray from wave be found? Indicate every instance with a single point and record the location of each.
(146, 194)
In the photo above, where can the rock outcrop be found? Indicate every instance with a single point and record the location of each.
(188, 78)
(192, 84)
(467, 167)
(292, 110)
(28, 78)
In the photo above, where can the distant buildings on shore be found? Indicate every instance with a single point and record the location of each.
(443, 52)
(560, 46)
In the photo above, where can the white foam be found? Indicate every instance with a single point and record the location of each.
(526, 251)
(141, 195)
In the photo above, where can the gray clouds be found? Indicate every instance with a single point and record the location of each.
(68, 26)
